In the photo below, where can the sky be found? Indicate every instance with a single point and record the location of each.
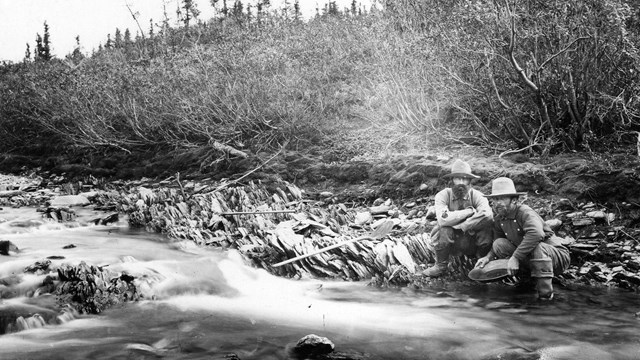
(92, 20)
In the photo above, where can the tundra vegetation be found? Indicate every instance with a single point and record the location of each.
(544, 77)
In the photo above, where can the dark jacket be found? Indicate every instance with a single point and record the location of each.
(524, 228)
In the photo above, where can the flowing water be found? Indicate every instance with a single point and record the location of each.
(208, 304)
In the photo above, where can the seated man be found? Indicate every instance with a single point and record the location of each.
(464, 220)
(524, 238)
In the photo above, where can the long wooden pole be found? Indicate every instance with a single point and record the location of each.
(379, 232)
(257, 212)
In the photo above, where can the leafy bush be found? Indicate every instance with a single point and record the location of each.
(516, 74)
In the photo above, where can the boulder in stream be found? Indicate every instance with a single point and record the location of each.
(7, 246)
(313, 346)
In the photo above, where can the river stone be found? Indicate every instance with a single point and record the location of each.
(6, 246)
(70, 200)
(554, 224)
(313, 345)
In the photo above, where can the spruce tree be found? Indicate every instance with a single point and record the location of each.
(237, 9)
(39, 48)
(46, 44)
(190, 11)
(296, 10)
(150, 28)
(109, 43)
(27, 54)
(118, 40)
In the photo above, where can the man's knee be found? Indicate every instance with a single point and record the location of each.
(539, 252)
(502, 247)
(446, 235)
(442, 237)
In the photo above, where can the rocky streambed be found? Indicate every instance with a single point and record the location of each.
(275, 220)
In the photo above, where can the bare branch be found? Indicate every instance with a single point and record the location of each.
(517, 150)
(565, 49)
(512, 58)
(135, 18)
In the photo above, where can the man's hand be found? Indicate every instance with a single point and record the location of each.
(513, 265)
(482, 262)
(471, 211)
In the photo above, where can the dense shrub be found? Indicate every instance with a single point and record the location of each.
(519, 74)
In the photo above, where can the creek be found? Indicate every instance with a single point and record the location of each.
(207, 303)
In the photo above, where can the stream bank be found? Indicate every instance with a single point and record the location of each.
(593, 203)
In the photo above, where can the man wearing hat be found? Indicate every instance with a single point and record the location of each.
(464, 220)
(524, 238)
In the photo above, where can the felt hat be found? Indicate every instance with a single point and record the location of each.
(493, 270)
(503, 186)
(461, 169)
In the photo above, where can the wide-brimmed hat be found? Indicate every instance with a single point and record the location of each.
(461, 169)
(493, 270)
(503, 186)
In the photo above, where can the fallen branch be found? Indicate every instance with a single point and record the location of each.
(229, 149)
(250, 172)
(516, 151)
(257, 212)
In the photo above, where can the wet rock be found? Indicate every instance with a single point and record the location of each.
(38, 267)
(363, 218)
(7, 246)
(111, 218)
(586, 247)
(554, 224)
(565, 204)
(59, 214)
(582, 221)
(312, 346)
(377, 210)
(69, 200)
(10, 280)
(26, 223)
(497, 305)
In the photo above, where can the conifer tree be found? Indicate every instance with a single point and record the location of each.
(296, 10)
(118, 40)
(190, 11)
(150, 28)
(39, 48)
(127, 37)
(27, 54)
(46, 44)
(237, 9)
(109, 43)
(249, 13)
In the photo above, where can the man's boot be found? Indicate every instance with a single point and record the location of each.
(542, 270)
(441, 266)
